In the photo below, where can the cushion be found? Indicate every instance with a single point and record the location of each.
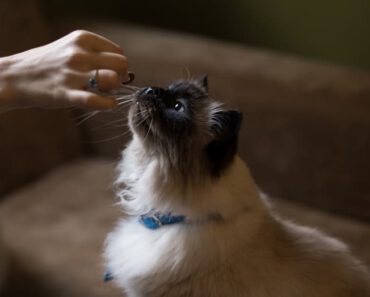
(32, 142)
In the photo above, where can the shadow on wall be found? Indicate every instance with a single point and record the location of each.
(334, 31)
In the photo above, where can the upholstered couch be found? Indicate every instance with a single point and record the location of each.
(305, 137)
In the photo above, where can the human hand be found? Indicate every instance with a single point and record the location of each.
(58, 74)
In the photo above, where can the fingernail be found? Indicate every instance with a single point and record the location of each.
(129, 78)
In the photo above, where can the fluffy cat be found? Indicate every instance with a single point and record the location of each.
(194, 221)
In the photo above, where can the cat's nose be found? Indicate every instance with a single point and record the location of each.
(149, 91)
(152, 92)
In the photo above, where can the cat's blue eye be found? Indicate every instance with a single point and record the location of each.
(179, 106)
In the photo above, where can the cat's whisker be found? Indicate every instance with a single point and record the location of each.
(110, 138)
(125, 99)
(150, 127)
(144, 118)
(142, 112)
(130, 87)
(122, 97)
(141, 122)
(124, 103)
(85, 117)
(80, 116)
(127, 91)
(120, 125)
(110, 124)
(122, 108)
(187, 73)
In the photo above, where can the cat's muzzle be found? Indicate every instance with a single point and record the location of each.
(150, 98)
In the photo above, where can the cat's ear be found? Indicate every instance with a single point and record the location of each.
(221, 150)
(203, 82)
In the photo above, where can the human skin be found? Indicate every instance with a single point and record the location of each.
(57, 74)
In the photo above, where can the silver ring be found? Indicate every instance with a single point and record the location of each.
(93, 81)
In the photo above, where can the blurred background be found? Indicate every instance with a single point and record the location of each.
(298, 70)
(332, 31)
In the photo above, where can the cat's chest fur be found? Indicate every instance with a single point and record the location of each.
(217, 260)
(139, 253)
(150, 262)
(250, 253)
(187, 258)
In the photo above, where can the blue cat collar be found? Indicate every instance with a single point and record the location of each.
(156, 220)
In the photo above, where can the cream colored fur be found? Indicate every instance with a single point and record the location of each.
(251, 253)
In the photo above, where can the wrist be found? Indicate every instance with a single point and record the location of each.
(7, 90)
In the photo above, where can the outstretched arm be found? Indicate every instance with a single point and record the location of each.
(57, 74)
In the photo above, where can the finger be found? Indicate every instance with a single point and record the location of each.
(83, 61)
(90, 100)
(111, 61)
(106, 79)
(95, 42)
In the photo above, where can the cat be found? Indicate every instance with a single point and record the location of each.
(195, 223)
